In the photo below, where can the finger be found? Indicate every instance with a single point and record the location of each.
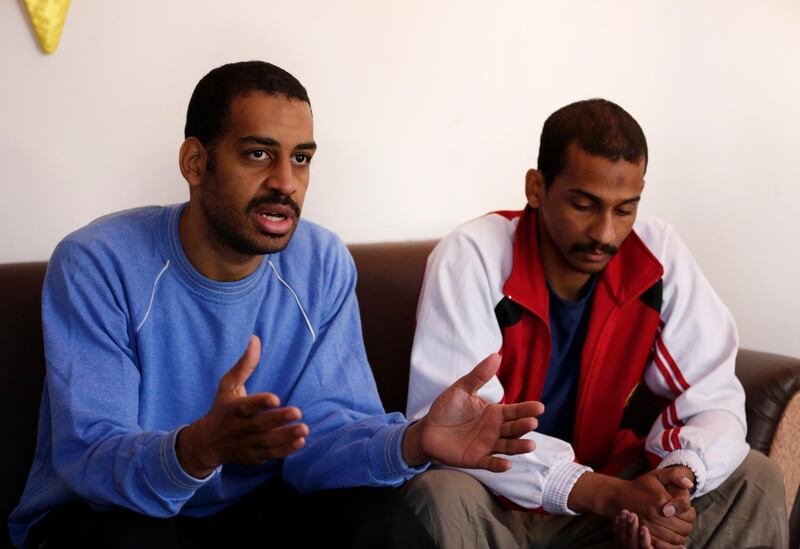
(272, 419)
(675, 534)
(645, 540)
(513, 446)
(250, 405)
(530, 408)
(241, 371)
(480, 374)
(624, 532)
(689, 516)
(278, 437)
(285, 449)
(518, 427)
(633, 528)
(676, 476)
(494, 464)
(620, 532)
(661, 544)
(677, 505)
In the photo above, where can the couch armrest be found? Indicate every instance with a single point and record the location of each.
(772, 387)
(770, 381)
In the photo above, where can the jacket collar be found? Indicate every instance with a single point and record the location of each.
(631, 271)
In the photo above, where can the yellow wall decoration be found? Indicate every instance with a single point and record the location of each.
(48, 18)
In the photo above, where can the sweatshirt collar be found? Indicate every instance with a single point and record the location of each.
(207, 287)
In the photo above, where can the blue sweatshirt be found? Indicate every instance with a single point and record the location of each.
(136, 341)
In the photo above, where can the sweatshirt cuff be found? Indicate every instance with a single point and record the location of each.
(168, 477)
(690, 459)
(386, 455)
(558, 485)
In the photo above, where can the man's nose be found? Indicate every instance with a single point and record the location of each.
(281, 177)
(602, 230)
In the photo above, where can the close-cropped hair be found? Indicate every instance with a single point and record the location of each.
(209, 107)
(598, 126)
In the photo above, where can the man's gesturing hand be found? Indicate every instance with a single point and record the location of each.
(463, 430)
(240, 428)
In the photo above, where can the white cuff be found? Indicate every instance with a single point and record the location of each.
(691, 460)
(558, 485)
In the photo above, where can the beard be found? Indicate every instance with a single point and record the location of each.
(229, 228)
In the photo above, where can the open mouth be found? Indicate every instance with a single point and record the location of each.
(274, 219)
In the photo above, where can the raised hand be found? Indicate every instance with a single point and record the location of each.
(240, 428)
(463, 430)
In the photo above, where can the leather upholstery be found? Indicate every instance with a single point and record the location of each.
(770, 381)
(388, 284)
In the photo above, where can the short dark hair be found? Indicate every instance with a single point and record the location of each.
(209, 108)
(597, 126)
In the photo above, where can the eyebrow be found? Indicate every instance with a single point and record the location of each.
(594, 198)
(269, 142)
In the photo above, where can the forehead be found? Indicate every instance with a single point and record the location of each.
(285, 120)
(600, 176)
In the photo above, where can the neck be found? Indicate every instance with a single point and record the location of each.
(207, 255)
(565, 281)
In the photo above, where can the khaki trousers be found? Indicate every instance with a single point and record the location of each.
(747, 510)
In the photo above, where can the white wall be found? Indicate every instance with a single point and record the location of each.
(428, 114)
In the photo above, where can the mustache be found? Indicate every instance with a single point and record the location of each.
(595, 247)
(274, 197)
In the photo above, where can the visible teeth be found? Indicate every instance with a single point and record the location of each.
(274, 217)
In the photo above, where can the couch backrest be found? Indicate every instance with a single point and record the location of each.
(21, 374)
(389, 279)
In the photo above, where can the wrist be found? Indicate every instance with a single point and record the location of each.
(192, 456)
(596, 494)
(413, 453)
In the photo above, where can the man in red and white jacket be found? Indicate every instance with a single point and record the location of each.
(587, 307)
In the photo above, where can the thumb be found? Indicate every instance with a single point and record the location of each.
(480, 374)
(674, 476)
(241, 371)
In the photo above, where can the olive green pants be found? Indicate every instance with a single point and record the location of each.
(747, 510)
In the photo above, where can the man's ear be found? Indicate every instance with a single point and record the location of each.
(534, 188)
(192, 161)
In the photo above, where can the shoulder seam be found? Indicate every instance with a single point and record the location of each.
(152, 296)
(296, 298)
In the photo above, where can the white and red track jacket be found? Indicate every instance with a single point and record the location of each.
(655, 318)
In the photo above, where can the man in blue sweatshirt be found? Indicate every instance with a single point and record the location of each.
(207, 384)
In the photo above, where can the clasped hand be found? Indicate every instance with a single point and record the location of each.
(657, 512)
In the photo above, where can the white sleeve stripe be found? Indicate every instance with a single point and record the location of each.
(297, 299)
(152, 296)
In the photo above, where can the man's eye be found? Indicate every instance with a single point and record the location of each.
(624, 213)
(257, 154)
(301, 159)
(581, 207)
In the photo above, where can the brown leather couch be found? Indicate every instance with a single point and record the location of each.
(389, 278)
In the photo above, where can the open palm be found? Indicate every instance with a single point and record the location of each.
(463, 430)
